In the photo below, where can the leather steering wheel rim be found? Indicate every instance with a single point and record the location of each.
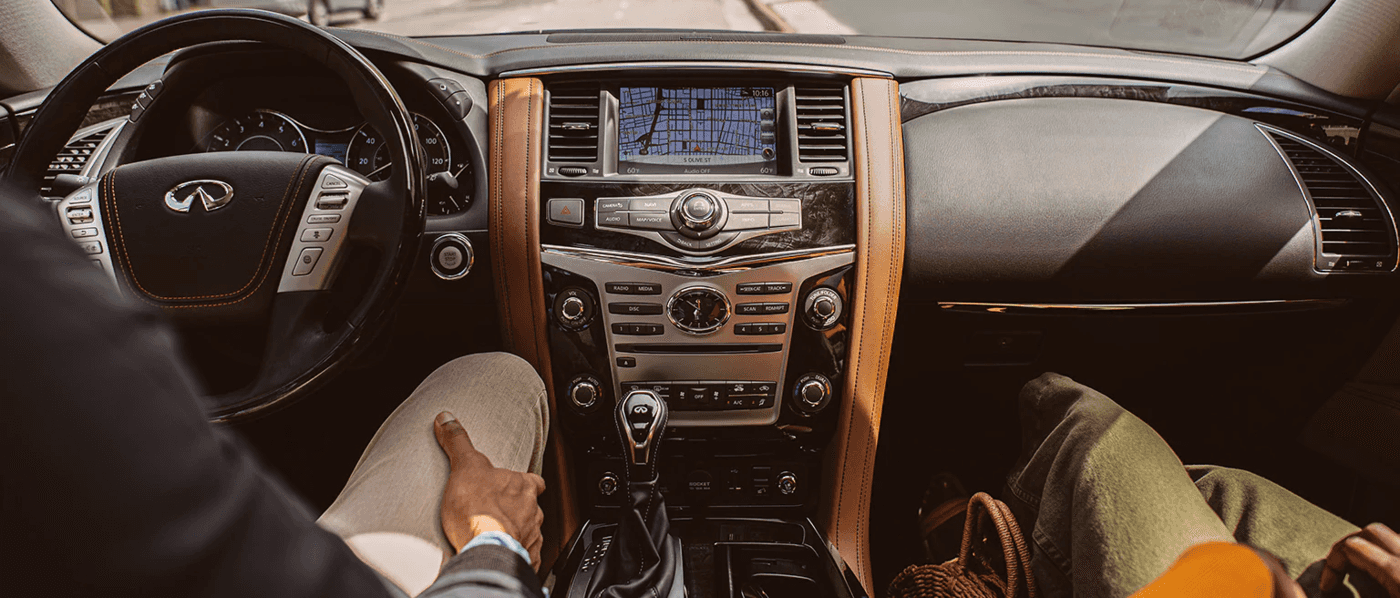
(66, 106)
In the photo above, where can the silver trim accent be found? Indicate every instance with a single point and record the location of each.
(99, 154)
(327, 266)
(88, 196)
(726, 275)
(470, 256)
(723, 214)
(728, 309)
(1341, 160)
(209, 202)
(1175, 308)
(786, 67)
(662, 263)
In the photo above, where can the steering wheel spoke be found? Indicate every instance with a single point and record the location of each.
(323, 229)
(81, 217)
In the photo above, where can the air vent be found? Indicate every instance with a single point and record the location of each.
(821, 124)
(1357, 231)
(71, 160)
(573, 123)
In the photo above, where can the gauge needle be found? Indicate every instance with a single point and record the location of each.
(378, 170)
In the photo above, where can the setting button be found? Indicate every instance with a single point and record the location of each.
(566, 211)
(633, 288)
(307, 261)
(635, 309)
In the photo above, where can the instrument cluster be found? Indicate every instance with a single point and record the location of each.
(359, 148)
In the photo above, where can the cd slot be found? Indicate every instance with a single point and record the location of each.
(699, 348)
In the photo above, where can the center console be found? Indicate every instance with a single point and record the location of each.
(697, 245)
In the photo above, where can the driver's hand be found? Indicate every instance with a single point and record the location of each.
(481, 497)
(1375, 549)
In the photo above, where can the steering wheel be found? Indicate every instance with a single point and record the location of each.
(219, 238)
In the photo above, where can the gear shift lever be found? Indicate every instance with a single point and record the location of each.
(643, 560)
(641, 419)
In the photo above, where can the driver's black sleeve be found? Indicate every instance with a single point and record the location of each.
(112, 483)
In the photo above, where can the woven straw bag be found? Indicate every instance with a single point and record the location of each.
(975, 572)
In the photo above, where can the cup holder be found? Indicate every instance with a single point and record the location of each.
(773, 571)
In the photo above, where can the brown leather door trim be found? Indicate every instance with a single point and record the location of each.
(516, 122)
(850, 462)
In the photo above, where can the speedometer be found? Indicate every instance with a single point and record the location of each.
(263, 130)
(368, 154)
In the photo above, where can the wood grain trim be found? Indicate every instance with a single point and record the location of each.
(850, 461)
(516, 123)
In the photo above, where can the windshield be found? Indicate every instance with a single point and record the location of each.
(1222, 28)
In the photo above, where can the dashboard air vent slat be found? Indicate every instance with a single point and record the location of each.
(821, 124)
(573, 123)
(1357, 232)
(71, 160)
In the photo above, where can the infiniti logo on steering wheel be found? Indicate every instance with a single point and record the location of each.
(213, 194)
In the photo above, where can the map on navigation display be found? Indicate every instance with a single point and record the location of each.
(697, 130)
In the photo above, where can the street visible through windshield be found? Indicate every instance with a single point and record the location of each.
(1222, 28)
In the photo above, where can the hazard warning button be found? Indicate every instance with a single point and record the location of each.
(566, 211)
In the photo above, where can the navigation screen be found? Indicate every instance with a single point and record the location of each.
(696, 130)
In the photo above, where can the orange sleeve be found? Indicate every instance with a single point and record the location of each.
(1213, 569)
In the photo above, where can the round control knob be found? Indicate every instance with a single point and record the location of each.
(573, 308)
(787, 483)
(607, 485)
(698, 211)
(451, 257)
(822, 308)
(813, 393)
(584, 393)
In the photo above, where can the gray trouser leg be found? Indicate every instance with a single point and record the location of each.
(389, 510)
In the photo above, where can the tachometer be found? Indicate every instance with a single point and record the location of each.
(368, 155)
(263, 130)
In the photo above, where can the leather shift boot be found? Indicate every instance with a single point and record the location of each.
(644, 558)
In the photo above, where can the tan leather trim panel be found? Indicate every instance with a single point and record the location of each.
(880, 230)
(516, 121)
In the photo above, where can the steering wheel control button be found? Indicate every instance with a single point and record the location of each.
(82, 196)
(79, 215)
(635, 309)
(566, 211)
(333, 182)
(83, 233)
(332, 201)
(316, 235)
(323, 219)
(306, 261)
(764, 288)
(822, 308)
(633, 288)
(91, 247)
(574, 308)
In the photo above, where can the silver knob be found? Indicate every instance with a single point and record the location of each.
(813, 393)
(572, 310)
(607, 485)
(584, 394)
(787, 483)
(822, 308)
(699, 211)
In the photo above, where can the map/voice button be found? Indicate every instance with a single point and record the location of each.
(652, 221)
